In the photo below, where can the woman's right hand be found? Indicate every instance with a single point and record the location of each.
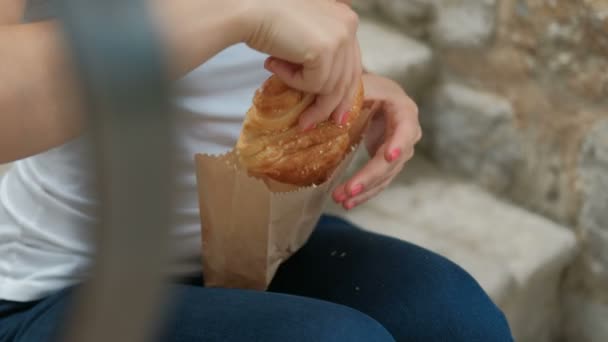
(314, 48)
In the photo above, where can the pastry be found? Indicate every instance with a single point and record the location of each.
(271, 144)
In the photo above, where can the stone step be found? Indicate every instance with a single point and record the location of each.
(387, 52)
(517, 257)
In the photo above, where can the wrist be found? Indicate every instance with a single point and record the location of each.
(244, 19)
(195, 30)
(238, 19)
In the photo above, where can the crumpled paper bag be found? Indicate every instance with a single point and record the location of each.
(250, 226)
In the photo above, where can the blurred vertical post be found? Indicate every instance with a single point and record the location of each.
(121, 65)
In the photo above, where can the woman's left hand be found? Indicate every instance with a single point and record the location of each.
(393, 132)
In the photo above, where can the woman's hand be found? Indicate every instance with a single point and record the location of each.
(314, 48)
(394, 130)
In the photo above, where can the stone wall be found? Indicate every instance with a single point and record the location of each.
(520, 104)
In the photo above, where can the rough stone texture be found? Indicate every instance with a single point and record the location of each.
(450, 23)
(594, 179)
(364, 6)
(533, 71)
(545, 61)
(565, 41)
(586, 321)
(413, 16)
(473, 132)
(516, 256)
(586, 288)
(463, 23)
(389, 53)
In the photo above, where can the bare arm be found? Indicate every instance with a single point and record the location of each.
(12, 11)
(40, 104)
(24, 82)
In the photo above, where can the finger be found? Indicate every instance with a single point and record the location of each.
(329, 98)
(339, 195)
(309, 77)
(340, 86)
(364, 197)
(319, 111)
(285, 70)
(405, 131)
(406, 156)
(360, 196)
(377, 170)
(367, 195)
(388, 177)
(351, 84)
(335, 81)
(376, 133)
(371, 174)
(400, 144)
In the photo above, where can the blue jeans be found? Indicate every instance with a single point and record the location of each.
(344, 285)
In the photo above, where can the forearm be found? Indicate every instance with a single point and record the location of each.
(196, 30)
(40, 101)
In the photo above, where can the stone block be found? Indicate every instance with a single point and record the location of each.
(389, 53)
(474, 133)
(586, 319)
(364, 6)
(596, 253)
(463, 23)
(517, 257)
(412, 16)
(586, 290)
(593, 178)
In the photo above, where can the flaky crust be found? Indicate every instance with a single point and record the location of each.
(271, 144)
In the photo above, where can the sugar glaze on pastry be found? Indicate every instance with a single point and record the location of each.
(271, 144)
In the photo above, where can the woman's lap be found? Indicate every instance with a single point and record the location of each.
(218, 315)
(326, 292)
(415, 294)
(37, 321)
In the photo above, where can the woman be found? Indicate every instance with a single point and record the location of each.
(382, 290)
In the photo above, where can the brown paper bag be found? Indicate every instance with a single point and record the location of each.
(249, 226)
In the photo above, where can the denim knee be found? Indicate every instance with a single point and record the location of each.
(346, 325)
(463, 312)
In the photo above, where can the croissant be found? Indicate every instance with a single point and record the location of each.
(271, 144)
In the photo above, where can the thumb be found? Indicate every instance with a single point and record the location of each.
(288, 72)
(295, 75)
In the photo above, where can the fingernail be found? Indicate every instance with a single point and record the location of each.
(349, 206)
(356, 190)
(341, 198)
(269, 63)
(344, 118)
(395, 154)
(309, 127)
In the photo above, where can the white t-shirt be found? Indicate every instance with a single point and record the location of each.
(46, 214)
